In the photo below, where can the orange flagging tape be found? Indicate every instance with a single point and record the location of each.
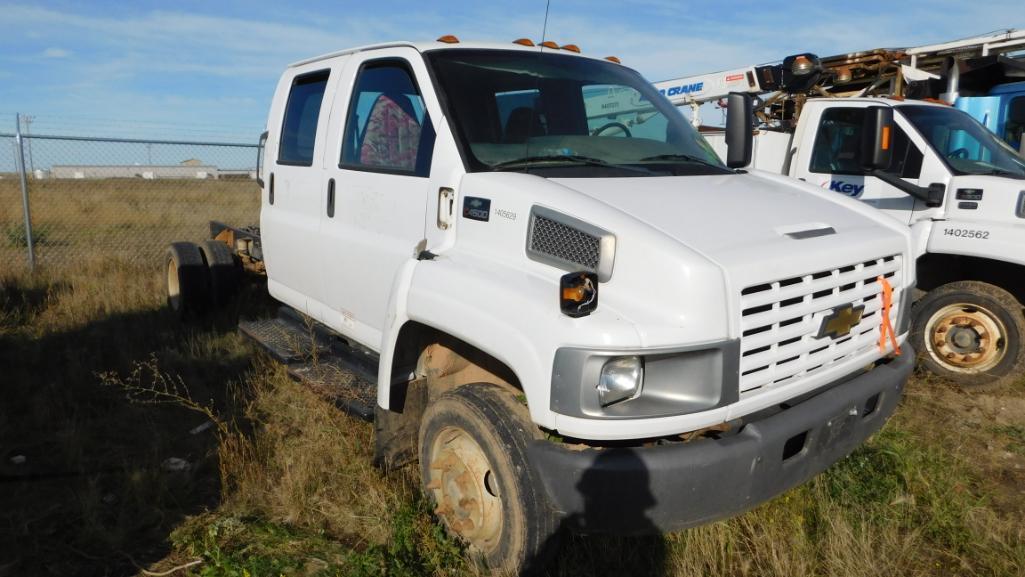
(885, 328)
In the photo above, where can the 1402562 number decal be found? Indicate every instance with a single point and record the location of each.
(966, 233)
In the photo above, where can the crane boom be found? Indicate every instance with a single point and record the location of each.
(879, 72)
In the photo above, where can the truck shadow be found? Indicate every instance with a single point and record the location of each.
(93, 483)
(622, 504)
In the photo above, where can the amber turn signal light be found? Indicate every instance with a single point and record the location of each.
(578, 293)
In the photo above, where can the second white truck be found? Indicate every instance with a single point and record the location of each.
(959, 188)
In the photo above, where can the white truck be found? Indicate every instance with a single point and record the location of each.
(959, 188)
(566, 327)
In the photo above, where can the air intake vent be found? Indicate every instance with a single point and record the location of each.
(569, 244)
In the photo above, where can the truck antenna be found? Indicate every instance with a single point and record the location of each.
(544, 27)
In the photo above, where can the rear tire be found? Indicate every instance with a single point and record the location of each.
(187, 279)
(223, 270)
(971, 333)
(473, 463)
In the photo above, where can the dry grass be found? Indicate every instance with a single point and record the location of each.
(285, 486)
(77, 222)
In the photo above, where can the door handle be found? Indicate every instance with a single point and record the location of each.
(446, 207)
(270, 192)
(331, 198)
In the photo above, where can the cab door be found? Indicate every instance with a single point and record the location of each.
(378, 188)
(291, 200)
(833, 161)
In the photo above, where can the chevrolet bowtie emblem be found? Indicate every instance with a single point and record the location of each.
(840, 321)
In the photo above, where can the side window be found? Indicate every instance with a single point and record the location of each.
(387, 128)
(838, 146)
(299, 127)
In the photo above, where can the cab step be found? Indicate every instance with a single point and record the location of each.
(315, 355)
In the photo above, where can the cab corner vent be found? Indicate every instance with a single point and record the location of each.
(568, 243)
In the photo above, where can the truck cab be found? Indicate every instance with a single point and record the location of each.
(960, 189)
(577, 324)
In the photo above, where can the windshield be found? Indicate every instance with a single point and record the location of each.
(964, 144)
(543, 111)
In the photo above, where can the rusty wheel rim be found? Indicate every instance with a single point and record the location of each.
(966, 338)
(465, 488)
(174, 295)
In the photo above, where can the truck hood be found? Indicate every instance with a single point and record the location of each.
(737, 220)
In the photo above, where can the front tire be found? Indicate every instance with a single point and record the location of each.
(473, 463)
(971, 333)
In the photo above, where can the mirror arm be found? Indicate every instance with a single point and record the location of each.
(920, 192)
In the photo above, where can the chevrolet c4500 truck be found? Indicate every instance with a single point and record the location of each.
(567, 324)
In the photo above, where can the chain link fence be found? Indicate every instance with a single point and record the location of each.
(118, 198)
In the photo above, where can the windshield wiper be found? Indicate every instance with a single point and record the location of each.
(567, 158)
(683, 157)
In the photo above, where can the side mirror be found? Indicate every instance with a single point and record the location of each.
(739, 129)
(259, 158)
(877, 138)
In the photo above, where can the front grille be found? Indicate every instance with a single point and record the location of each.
(564, 242)
(780, 322)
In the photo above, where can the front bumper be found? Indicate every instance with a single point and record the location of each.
(663, 488)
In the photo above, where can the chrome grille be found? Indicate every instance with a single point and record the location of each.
(564, 242)
(780, 321)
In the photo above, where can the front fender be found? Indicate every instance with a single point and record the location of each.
(509, 314)
(991, 240)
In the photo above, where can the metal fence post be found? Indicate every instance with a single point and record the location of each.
(22, 173)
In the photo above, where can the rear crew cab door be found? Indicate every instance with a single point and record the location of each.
(377, 178)
(290, 211)
(830, 157)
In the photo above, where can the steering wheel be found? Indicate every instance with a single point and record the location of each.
(959, 153)
(618, 125)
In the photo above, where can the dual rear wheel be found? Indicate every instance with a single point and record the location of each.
(200, 277)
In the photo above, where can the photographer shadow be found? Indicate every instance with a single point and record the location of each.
(615, 498)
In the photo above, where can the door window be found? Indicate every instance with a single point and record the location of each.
(299, 127)
(838, 146)
(388, 129)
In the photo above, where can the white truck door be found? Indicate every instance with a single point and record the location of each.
(377, 188)
(829, 156)
(290, 214)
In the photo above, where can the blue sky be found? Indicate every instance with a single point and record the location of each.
(208, 69)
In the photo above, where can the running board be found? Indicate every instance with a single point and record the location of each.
(316, 356)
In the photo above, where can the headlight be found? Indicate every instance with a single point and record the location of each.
(620, 380)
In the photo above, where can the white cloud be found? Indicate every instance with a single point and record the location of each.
(54, 52)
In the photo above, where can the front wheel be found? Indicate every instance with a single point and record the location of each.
(473, 462)
(971, 332)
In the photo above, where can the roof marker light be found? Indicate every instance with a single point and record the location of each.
(550, 44)
(449, 39)
(613, 59)
(524, 42)
(571, 48)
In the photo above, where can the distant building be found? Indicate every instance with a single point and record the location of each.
(148, 172)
